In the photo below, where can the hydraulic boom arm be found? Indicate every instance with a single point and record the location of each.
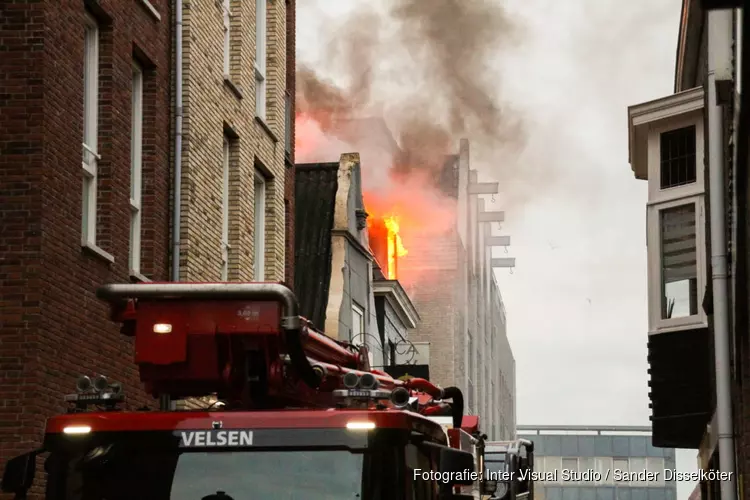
(247, 344)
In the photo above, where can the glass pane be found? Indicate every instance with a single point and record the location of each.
(656, 467)
(621, 469)
(570, 464)
(679, 262)
(604, 468)
(638, 466)
(552, 465)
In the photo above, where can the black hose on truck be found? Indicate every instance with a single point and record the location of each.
(457, 396)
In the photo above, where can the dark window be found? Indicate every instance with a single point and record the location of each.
(241, 475)
(421, 461)
(677, 157)
(679, 263)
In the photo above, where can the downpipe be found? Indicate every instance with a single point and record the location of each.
(177, 182)
(719, 68)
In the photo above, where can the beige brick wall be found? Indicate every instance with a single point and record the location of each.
(211, 106)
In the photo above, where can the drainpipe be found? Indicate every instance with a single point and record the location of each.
(166, 402)
(177, 186)
(719, 68)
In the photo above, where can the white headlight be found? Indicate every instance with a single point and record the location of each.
(162, 328)
(77, 429)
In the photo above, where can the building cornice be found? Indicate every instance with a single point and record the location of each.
(398, 299)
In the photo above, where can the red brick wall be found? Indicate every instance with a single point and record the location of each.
(52, 328)
(291, 62)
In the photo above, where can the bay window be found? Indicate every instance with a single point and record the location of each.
(666, 148)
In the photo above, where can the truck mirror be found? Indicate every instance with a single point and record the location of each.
(19, 473)
(459, 464)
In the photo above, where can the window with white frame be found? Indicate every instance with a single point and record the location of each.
(260, 227)
(655, 465)
(604, 466)
(553, 465)
(225, 210)
(227, 14)
(570, 464)
(637, 466)
(90, 130)
(358, 322)
(539, 466)
(666, 148)
(261, 47)
(136, 169)
(621, 470)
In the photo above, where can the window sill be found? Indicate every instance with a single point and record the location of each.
(151, 9)
(233, 87)
(98, 252)
(136, 276)
(267, 129)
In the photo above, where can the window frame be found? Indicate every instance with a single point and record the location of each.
(225, 208)
(659, 468)
(226, 11)
(90, 154)
(136, 171)
(655, 193)
(259, 225)
(624, 471)
(356, 308)
(261, 58)
(655, 278)
(605, 467)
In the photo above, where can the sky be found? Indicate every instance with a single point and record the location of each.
(579, 238)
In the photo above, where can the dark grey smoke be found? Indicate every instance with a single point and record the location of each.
(442, 51)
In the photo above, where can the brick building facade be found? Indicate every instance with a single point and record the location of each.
(84, 99)
(291, 72)
(452, 284)
(692, 149)
(234, 177)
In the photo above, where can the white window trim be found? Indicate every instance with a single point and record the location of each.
(136, 170)
(656, 323)
(259, 227)
(356, 309)
(655, 193)
(90, 155)
(647, 121)
(261, 48)
(227, 15)
(225, 247)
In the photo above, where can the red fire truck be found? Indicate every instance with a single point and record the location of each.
(293, 414)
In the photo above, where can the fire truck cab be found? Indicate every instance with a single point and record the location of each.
(292, 412)
(513, 460)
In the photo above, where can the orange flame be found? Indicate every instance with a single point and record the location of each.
(402, 212)
(396, 248)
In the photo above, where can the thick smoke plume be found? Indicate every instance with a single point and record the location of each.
(426, 66)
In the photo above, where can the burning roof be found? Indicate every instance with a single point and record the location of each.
(401, 208)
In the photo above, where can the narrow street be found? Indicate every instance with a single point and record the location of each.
(392, 250)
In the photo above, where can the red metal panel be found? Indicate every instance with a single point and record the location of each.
(280, 419)
(161, 348)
